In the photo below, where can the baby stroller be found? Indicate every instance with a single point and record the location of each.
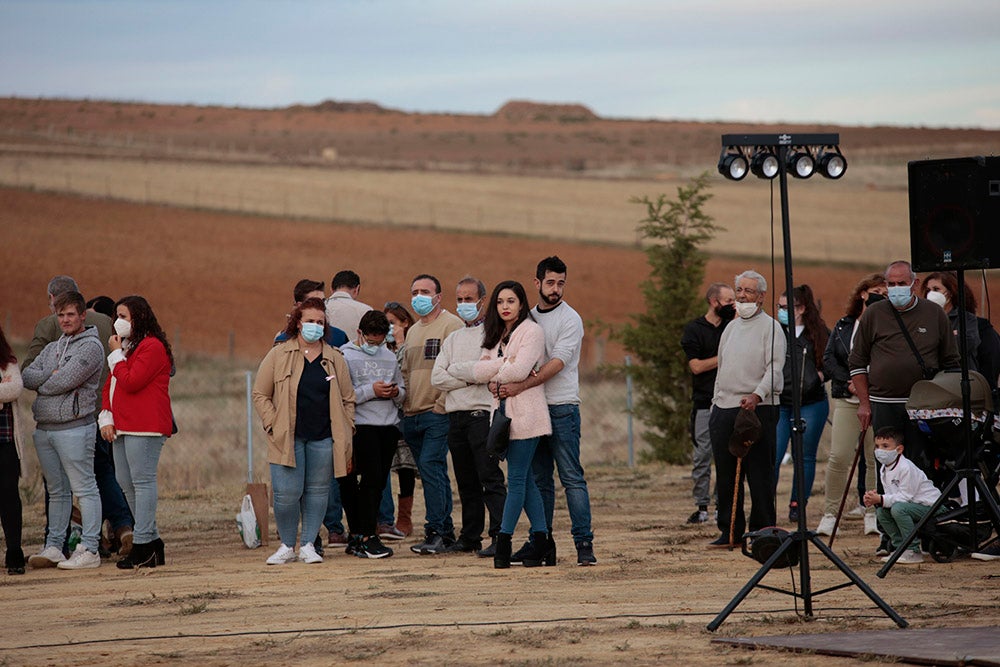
(936, 407)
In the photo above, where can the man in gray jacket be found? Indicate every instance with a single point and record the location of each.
(66, 376)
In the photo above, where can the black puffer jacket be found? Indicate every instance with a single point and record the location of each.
(811, 385)
(838, 348)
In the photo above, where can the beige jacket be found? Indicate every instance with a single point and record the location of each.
(274, 397)
(9, 392)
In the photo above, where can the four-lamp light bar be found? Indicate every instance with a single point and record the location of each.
(761, 155)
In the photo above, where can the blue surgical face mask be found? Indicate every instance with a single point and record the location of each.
(900, 295)
(422, 304)
(312, 332)
(369, 349)
(390, 337)
(783, 316)
(467, 311)
(886, 456)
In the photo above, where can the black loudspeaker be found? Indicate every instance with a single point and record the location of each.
(955, 213)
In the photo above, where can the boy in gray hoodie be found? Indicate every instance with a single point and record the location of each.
(66, 375)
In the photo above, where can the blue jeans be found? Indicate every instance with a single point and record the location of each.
(427, 435)
(114, 507)
(387, 508)
(67, 461)
(814, 416)
(137, 457)
(303, 490)
(522, 492)
(562, 450)
(334, 517)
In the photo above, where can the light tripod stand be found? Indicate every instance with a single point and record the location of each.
(772, 158)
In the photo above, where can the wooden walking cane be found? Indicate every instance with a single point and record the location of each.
(847, 487)
(732, 517)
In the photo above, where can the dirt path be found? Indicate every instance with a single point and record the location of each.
(647, 602)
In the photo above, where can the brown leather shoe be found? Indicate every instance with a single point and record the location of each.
(123, 536)
(404, 522)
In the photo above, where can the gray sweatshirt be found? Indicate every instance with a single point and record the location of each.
(366, 370)
(66, 375)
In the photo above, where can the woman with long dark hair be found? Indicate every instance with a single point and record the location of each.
(136, 417)
(941, 287)
(811, 335)
(845, 426)
(305, 400)
(514, 347)
(11, 454)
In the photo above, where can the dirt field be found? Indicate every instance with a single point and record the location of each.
(647, 602)
(218, 278)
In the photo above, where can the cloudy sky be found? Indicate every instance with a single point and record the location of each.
(852, 62)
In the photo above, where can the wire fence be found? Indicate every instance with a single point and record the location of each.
(217, 427)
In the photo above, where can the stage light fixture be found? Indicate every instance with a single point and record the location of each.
(831, 162)
(764, 164)
(800, 164)
(733, 165)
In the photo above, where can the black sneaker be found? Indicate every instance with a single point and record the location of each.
(698, 516)
(353, 545)
(793, 512)
(585, 553)
(992, 552)
(463, 546)
(318, 545)
(372, 547)
(434, 544)
(517, 558)
(490, 551)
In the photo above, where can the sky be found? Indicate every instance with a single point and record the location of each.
(851, 62)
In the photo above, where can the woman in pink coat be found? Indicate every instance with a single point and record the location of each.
(514, 347)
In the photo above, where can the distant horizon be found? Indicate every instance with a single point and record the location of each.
(382, 107)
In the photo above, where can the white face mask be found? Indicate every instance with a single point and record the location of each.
(937, 297)
(886, 456)
(746, 310)
(123, 328)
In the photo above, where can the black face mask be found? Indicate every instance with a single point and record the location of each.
(727, 312)
(874, 297)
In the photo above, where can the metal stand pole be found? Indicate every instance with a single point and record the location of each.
(802, 537)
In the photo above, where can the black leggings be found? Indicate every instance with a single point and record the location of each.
(361, 491)
(10, 503)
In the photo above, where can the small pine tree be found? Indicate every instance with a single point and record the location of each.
(675, 232)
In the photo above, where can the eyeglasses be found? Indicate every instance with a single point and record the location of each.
(747, 290)
(392, 305)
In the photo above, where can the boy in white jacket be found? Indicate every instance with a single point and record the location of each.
(907, 493)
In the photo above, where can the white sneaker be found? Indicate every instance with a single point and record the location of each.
(871, 524)
(284, 554)
(856, 513)
(826, 524)
(307, 554)
(910, 557)
(47, 557)
(81, 559)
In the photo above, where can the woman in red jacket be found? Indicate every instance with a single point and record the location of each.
(136, 416)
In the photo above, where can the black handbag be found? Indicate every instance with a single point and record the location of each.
(498, 437)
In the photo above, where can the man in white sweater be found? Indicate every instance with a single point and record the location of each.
(750, 377)
(478, 475)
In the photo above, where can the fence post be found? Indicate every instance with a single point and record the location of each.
(249, 376)
(628, 409)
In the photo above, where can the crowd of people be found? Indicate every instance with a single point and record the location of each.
(349, 395)
(895, 332)
(101, 371)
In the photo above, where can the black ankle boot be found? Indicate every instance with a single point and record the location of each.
(550, 551)
(142, 555)
(157, 546)
(501, 559)
(539, 550)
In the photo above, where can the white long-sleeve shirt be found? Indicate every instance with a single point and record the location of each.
(452, 372)
(904, 482)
